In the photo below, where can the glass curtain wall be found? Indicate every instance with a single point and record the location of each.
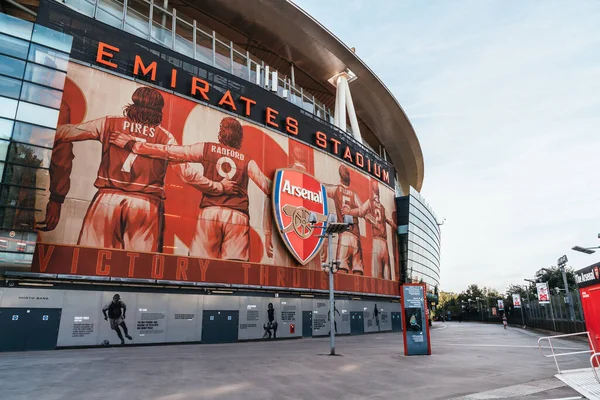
(33, 64)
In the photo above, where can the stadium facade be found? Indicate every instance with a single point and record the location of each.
(160, 162)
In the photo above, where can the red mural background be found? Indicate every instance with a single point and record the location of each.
(89, 206)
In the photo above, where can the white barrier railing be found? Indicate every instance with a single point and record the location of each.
(554, 355)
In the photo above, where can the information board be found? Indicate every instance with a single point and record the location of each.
(415, 321)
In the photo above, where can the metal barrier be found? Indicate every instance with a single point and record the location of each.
(593, 367)
(554, 355)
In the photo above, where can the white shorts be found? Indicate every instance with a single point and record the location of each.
(221, 233)
(122, 220)
(381, 259)
(349, 253)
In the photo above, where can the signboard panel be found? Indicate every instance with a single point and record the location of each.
(516, 300)
(501, 305)
(542, 291)
(415, 322)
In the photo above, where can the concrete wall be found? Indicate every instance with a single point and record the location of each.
(169, 317)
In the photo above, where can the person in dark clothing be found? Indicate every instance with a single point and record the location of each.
(376, 316)
(271, 323)
(116, 315)
(335, 310)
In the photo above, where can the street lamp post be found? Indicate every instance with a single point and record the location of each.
(480, 307)
(331, 228)
(562, 262)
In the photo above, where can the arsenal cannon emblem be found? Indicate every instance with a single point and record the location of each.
(296, 194)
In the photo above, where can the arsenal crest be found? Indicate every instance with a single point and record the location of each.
(296, 194)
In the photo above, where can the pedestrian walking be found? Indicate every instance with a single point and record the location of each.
(504, 321)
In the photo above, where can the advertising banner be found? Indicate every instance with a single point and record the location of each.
(494, 311)
(416, 320)
(542, 291)
(588, 276)
(516, 300)
(501, 305)
(145, 184)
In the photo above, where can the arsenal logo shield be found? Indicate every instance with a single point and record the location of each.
(295, 195)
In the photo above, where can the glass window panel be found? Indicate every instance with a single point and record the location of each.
(48, 57)
(308, 105)
(13, 47)
(8, 107)
(11, 67)
(32, 156)
(51, 38)
(14, 196)
(137, 18)
(222, 56)
(25, 176)
(108, 16)
(41, 95)
(16, 259)
(83, 6)
(13, 241)
(161, 27)
(38, 115)
(10, 87)
(45, 76)
(6, 127)
(33, 134)
(15, 218)
(15, 26)
(204, 48)
(3, 149)
(240, 66)
(184, 38)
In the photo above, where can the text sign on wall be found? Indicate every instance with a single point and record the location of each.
(415, 322)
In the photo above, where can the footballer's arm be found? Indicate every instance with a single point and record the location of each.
(170, 151)
(264, 184)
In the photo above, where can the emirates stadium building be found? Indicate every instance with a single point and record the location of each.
(163, 165)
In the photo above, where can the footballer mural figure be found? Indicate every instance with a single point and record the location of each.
(115, 313)
(127, 210)
(374, 212)
(349, 251)
(223, 229)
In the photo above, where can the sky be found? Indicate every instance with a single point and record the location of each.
(505, 99)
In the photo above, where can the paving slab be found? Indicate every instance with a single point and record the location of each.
(468, 358)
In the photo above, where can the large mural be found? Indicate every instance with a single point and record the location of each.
(147, 184)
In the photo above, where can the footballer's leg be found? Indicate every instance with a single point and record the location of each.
(356, 254)
(101, 225)
(377, 258)
(387, 268)
(124, 326)
(236, 238)
(343, 251)
(116, 328)
(143, 219)
(209, 232)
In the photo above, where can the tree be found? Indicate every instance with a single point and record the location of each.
(553, 276)
(448, 301)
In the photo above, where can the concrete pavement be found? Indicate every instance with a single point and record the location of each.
(469, 361)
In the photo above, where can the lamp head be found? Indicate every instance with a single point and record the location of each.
(348, 219)
(312, 218)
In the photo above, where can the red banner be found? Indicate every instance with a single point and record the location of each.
(74, 260)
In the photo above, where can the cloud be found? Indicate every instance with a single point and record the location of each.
(504, 100)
